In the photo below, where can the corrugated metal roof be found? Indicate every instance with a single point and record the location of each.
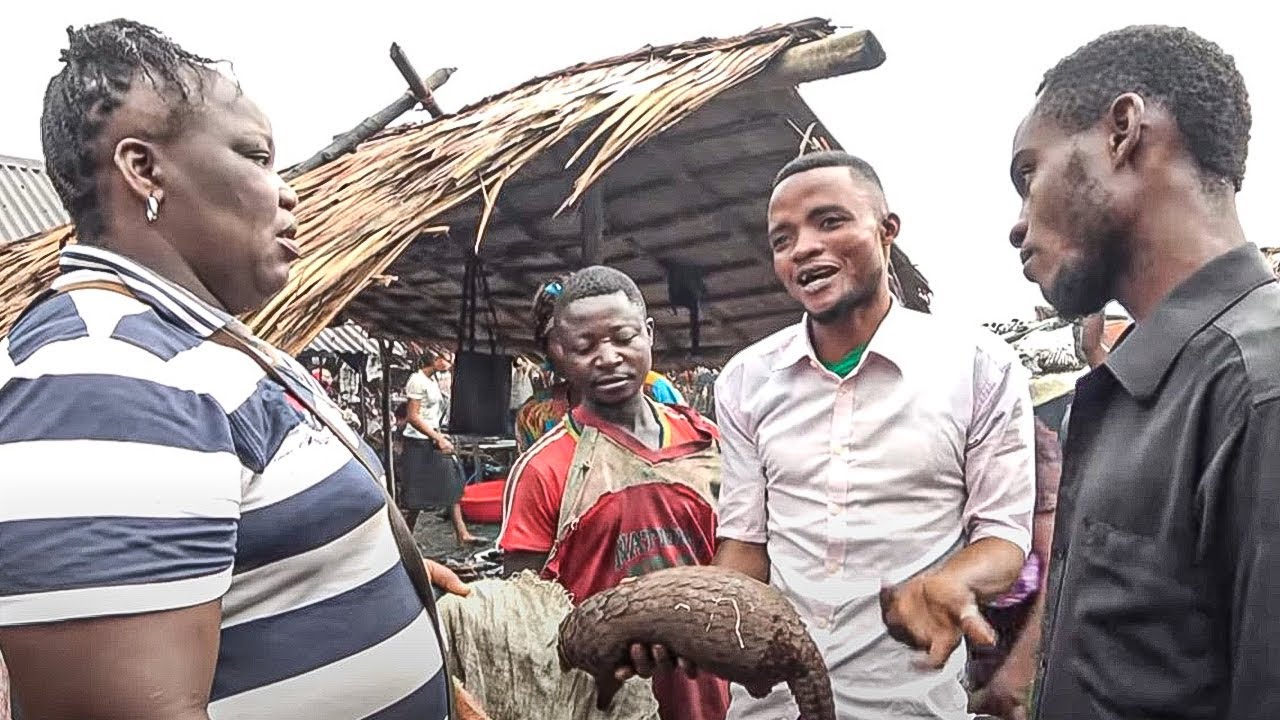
(349, 338)
(28, 202)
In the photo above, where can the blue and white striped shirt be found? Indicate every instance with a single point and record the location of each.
(144, 467)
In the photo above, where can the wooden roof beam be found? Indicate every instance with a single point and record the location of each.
(713, 314)
(817, 60)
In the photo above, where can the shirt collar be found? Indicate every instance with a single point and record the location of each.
(177, 305)
(1144, 353)
(890, 341)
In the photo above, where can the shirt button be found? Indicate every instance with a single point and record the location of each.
(833, 509)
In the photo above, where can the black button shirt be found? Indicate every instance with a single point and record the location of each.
(1164, 586)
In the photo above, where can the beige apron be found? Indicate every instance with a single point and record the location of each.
(601, 465)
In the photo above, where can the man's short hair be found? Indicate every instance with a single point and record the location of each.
(596, 281)
(1174, 68)
(860, 168)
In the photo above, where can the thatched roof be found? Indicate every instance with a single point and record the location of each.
(1273, 255)
(678, 141)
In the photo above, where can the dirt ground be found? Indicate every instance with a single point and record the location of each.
(435, 537)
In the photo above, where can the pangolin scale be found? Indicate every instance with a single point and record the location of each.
(729, 624)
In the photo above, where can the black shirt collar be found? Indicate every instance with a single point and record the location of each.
(1143, 355)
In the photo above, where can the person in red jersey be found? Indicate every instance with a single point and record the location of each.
(622, 486)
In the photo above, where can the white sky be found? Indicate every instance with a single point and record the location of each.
(936, 119)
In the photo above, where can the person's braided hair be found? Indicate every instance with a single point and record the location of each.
(544, 309)
(1191, 77)
(101, 64)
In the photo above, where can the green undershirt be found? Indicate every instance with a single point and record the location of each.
(846, 364)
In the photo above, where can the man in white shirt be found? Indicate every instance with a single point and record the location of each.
(878, 462)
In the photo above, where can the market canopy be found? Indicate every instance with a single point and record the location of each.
(658, 163)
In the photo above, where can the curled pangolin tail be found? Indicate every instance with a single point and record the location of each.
(812, 693)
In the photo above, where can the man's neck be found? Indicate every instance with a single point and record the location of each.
(635, 416)
(1178, 238)
(833, 341)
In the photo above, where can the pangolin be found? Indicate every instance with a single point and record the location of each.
(729, 624)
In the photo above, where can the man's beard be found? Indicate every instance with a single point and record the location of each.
(849, 302)
(1086, 286)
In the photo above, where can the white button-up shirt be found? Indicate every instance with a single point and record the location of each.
(869, 479)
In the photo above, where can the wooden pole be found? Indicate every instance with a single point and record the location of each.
(818, 60)
(346, 142)
(388, 430)
(593, 226)
(419, 88)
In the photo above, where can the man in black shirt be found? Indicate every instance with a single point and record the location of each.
(1164, 588)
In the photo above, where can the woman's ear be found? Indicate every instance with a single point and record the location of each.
(135, 160)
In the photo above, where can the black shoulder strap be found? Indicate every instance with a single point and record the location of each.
(410, 556)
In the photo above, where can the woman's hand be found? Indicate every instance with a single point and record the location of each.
(446, 579)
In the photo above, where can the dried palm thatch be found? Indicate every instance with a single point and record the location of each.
(361, 211)
(1273, 256)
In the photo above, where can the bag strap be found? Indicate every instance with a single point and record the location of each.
(410, 556)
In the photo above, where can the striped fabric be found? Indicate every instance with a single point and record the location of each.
(149, 468)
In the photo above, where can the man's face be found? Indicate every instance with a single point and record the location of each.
(1069, 233)
(829, 241)
(603, 347)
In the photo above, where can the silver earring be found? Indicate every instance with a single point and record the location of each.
(153, 208)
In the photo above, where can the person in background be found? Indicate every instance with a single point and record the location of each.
(878, 465)
(1163, 585)
(431, 478)
(548, 405)
(621, 486)
(521, 390)
(660, 388)
(1001, 677)
(181, 535)
(444, 380)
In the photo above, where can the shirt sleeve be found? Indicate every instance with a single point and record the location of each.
(121, 496)
(999, 463)
(416, 387)
(742, 502)
(531, 508)
(1247, 489)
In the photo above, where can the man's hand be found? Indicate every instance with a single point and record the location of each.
(647, 660)
(445, 445)
(446, 579)
(1000, 698)
(931, 612)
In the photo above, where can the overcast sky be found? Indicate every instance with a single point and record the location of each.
(936, 119)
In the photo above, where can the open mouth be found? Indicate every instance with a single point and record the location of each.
(816, 277)
(288, 239)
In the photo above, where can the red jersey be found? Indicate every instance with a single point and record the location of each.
(536, 484)
(644, 522)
